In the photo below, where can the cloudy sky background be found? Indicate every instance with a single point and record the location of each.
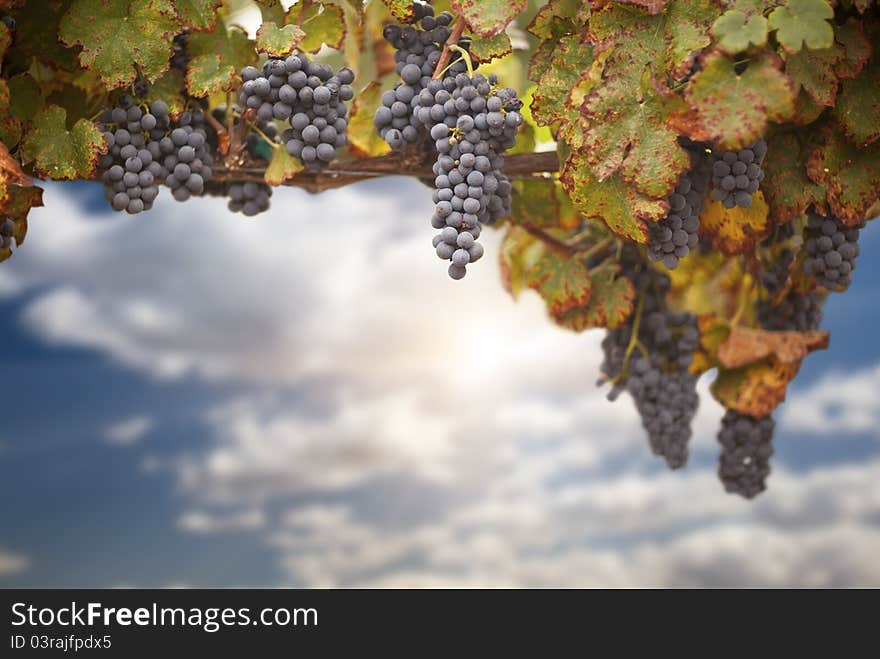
(192, 397)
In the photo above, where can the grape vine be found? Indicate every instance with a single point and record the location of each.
(691, 177)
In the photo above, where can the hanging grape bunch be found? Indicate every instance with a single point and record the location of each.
(308, 95)
(736, 175)
(746, 448)
(831, 249)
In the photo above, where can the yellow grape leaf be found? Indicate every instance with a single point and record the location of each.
(736, 230)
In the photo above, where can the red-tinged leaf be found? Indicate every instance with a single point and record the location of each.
(570, 58)
(5, 40)
(59, 153)
(858, 105)
(610, 304)
(402, 10)
(363, 141)
(628, 133)
(562, 281)
(733, 109)
(489, 48)
(206, 75)
(487, 17)
(786, 187)
(745, 345)
(815, 71)
(735, 230)
(621, 206)
(851, 175)
(851, 35)
(117, 34)
(10, 170)
(15, 204)
(756, 389)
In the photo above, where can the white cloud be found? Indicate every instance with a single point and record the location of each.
(11, 564)
(205, 522)
(129, 431)
(839, 403)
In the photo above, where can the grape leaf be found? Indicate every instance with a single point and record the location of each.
(487, 17)
(5, 40)
(851, 176)
(117, 34)
(735, 230)
(802, 22)
(621, 206)
(232, 45)
(732, 108)
(322, 23)
(26, 99)
(10, 127)
(271, 10)
(10, 170)
(628, 133)
(402, 10)
(786, 187)
(610, 304)
(569, 59)
(736, 32)
(756, 389)
(706, 283)
(282, 166)
(206, 75)
(519, 252)
(278, 41)
(541, 203)
(815, 71)
(198, 14)
(745, 345)
(169, 88)
(556, 19)
(15, 203)
(36, 35)
(363, 141)
(563, 282)
(489, 48)
(852, 37)
(59, 153)
(858, 105)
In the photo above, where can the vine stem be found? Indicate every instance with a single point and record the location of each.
(552, 242)
(633, 341)
(446, 54)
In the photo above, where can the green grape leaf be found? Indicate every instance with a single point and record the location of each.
(489, 48)
(198, 14)
(666, 43)
(852, 37)
(117, 34)
(620, 205)
(610, 304)
(363, 140)
(206, 75)
(36, 36)
(169, 88)
(858, 105)
(732, 108)
(10, 127)
(540, 61)
(629, 133)
(570, 58)
(851, 175)
(651, 6)
(322, 23)
(535, 203)
(736, 32)
(402, 10)
(815, 71)
(26, 99)
(271, 10)
(786, 187)
(278, 41)
(60, 153)
(519, 252)
(557, 19)
(487, 18)
(563, 282)
(282, 167)
(232, 45)
(802, 22)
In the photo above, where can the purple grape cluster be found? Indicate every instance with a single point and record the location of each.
(656, 374)
(416, 57)
(179, 56)
(796, 312)
(249, 198)
(308, 95)
(187, 158)
(132, 168)
(746, 449)
(736, 175)
(776, 277)
(472, 124)
(831, 248)
(672, 238)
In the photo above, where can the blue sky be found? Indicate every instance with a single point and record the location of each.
(305, 398)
